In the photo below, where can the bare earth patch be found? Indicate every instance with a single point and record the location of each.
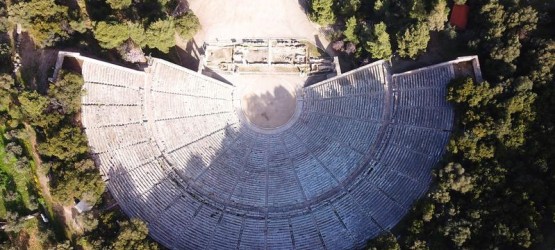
(254, 19)
(268, 101)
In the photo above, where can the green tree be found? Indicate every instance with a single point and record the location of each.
(14, 223)
(452, 177)
(133, 235)
(522, 20)
(414, 40)
(4, 23)
(351, 30)
(111, 35)
(43, 18)
(88, 221)
(322, 12)
(349, 7)
(160, 35)
(67, 144)
(67, 92)
(66, 245)
(36, 109)
(119, 4)
(541, 60)
(187, 25)
(459, 232)
(428, 211)
(438, 16)
(381, 7)
(506, 51)
(33, 105)
(467, 93)
(418, 10)
(493, 15)
(385, 241)
(82, 182)
(379, 45)
(5, 51)
(6, 85)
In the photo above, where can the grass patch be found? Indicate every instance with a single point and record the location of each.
(19, 182)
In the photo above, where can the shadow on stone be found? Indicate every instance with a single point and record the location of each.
(269, 109)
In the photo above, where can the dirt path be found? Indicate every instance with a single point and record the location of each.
(58, 212)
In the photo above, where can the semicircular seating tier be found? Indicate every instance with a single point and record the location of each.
(175, 153)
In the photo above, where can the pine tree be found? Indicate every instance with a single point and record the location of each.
(349, 7)
(418, 10)
(438, 16)
(351, 29)
(111, 35)
(187, 25)
(379, 45)
(414, 40)
(161, 35)
(322, 12)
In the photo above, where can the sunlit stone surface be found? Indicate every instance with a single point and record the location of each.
(348, 159)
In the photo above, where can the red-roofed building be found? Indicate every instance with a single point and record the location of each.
(459, 16)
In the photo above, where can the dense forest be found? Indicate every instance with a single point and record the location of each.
(494, 187)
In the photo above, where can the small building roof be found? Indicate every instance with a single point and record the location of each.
(83, 206)
(459, 16)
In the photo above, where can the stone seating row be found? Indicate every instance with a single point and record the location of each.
(423, 98)
(171, 105)
(434, 77)
(356, 134)
(437, 118)
(409, 163)
(367, 80)
(420, 139)
(99, 72)
(359, 107)
(99, 116)
(173, 79)
(102, 94)
(109, 138)
(339, 225)
(177, 132)
(127, 158)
